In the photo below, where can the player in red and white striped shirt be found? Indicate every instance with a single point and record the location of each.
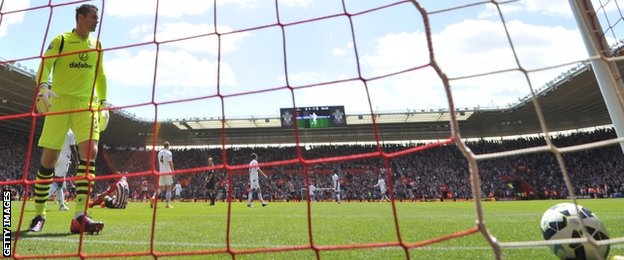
(119, 199)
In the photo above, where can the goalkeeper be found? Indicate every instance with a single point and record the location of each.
(74, 60)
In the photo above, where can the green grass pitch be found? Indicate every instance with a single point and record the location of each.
(198, 228)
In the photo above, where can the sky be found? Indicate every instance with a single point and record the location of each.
(164, 63)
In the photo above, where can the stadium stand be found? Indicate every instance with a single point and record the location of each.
(423, 176)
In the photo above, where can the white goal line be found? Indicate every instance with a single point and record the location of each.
(66, 241)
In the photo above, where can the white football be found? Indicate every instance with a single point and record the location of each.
(564, 221)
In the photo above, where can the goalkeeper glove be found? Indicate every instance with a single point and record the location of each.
(104, 115)
(43, 98)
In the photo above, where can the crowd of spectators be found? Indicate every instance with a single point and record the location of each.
(437, 173)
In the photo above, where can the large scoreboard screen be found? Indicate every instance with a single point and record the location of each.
(313, 117)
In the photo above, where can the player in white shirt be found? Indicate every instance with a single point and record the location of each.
(254, 182)
(336, 186)
(312, 192)
(68, 152)
(381, 183)
(177, 190)
(165, 181)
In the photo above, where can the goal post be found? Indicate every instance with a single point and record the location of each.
(604, 67)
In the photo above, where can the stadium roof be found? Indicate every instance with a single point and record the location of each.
(572, 101)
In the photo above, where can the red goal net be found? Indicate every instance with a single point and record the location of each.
(403, 91)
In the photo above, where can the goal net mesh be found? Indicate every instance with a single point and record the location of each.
(197, 76)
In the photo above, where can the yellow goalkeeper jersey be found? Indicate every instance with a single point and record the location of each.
(74, 74)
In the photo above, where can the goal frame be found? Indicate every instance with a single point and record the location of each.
(602, 62)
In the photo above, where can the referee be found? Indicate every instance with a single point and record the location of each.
(211, 182)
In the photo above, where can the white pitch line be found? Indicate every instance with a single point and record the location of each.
(222, 245)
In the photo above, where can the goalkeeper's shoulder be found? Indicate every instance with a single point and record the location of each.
(55, 43)
(58, 42)
(95, 40)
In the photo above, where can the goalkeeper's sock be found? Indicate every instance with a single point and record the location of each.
(42, 190)
(250, 197)
(260, 197)
(82, 185)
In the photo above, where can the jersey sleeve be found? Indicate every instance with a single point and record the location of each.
(101, 85)
(49, 58)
